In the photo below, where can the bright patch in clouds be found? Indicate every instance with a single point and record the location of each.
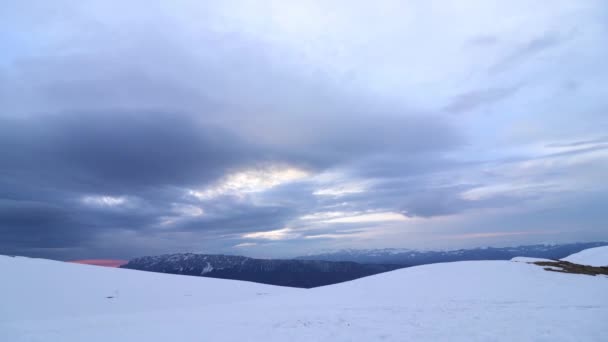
(245, 244)
(342, 190)
(104, 201)
(187, 210)
(279, 234)
(328, 236)
(371, 217)
(251, 181)
(323, 216)
(354, 217)
(511, 190)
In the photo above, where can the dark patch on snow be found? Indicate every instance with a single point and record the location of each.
(568, 267)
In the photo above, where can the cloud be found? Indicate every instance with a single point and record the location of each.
(329, 236)
(474, 99)
(251, 181)
(103, 201)
(204, 126)
(512, 190)
(245, 244)
(527, 50)
(484, 40)
(119, 150)
(279, 234)
(495, 235)
(371, 217)
(582, 143)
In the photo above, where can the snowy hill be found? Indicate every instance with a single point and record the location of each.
(593, 256)
(462, 301)
(42, 289)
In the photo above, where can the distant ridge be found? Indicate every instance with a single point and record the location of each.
(406, 257)
(335, 267)
(294, 273)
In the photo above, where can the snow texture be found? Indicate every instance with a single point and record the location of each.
(528, 259)
(461, 301)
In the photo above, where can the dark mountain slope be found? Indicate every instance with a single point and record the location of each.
(295, 273)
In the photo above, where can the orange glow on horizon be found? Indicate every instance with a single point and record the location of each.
(101, 262)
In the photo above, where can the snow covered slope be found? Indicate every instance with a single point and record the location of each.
(460, 301)
(593, 257)
(42, 289)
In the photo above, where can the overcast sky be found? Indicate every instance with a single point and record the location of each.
(280, 128)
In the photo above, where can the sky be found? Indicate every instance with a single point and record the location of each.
(279, 128)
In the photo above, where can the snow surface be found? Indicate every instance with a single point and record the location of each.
(42, 289)
(460, 301)
(597, 256)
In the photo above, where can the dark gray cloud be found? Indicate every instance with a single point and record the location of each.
(151, 159)
(122, 152)
(27, 224)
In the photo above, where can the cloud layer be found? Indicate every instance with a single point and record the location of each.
(276, 129)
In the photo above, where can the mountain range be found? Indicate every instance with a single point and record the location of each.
(294, 273)
(334, 267)
(406, 257)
